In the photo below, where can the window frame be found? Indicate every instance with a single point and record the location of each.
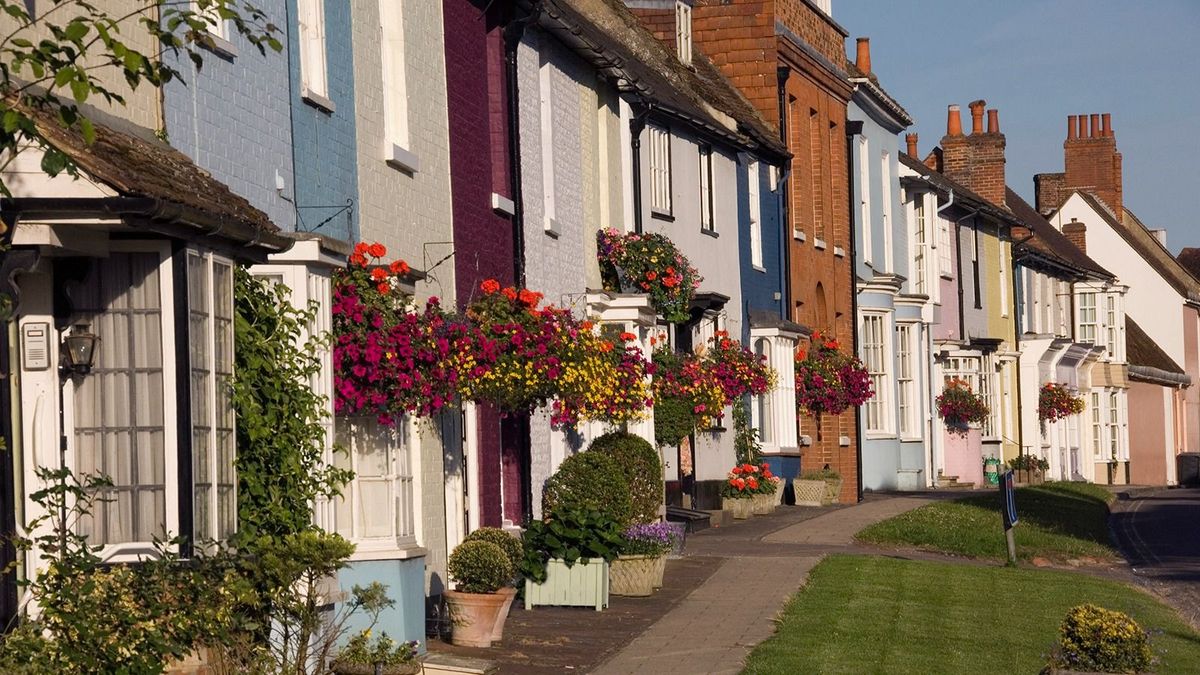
(885, 209)
(876, 418)
(920, 256)
(661, 196)
(683, 32)
(546, 119)
(908, 406)
(708, 216)
(314, 59)
(397, 134)
(864, 198)
(401, 488)
(753, 182)
(1085, 311)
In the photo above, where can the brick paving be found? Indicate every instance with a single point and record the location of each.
(702, 620)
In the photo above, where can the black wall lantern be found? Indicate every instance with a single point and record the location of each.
(79, 351)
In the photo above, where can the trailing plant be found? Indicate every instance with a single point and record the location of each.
(479, 567)
(569, 534)
(686, 387)
(590, 481)
(1094, 639)
(959, 406)
(1058, 401)
(746, 447)
(673, 420)
(641, 467)
(648, 263)
(829, 380)
(280, 437)
(508, 543)
(652, 539)
(739, 371)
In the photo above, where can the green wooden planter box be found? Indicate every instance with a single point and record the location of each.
(585, 584)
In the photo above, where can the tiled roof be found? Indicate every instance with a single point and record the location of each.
(606, 33)
(1190, 259)
(1048, 241)
(1144, 353)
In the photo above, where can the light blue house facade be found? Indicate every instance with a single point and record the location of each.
(891, 298)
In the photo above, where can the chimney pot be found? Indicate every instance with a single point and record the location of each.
(993, 121)
(863, 60)
(911, 140)
(953, 120)
(977, 116)
(1082, 126)
(1106, 124)
(1094, 131)
(1071, 127)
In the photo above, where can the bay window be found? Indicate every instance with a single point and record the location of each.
(1087, 317)
(375, 509)
(763, 406)
(875, 357)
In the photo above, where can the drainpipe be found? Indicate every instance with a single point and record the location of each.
(854, 128)
(636, 125)
(785, 211)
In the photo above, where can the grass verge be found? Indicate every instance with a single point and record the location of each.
(869, 614)
(1057, 521)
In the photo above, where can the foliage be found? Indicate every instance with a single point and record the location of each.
(829, 380)
(652, 539)
(877, 614)
(390, 360)
(745, 436)
(280, 437)
(590, 481)
(649, 263)
(76, 49)
(739, 371)
(480, 567)
(1058, 401)
(743, 481)
(958, 405)
(820, 474)
(1101, 640)
(1028, 463)
(507, 543)
(1059, 521)
(638, 461)
(687, 394)
(384, 651)
(569, 534)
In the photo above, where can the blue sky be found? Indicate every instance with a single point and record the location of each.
(1039, 61)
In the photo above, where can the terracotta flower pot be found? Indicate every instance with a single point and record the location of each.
(473, 617)
(632, 575)
(502, 617)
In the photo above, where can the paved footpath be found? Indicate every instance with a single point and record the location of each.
(715, 627)
(1159, 531)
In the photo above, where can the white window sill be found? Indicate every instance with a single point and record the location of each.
(839, 251)
(368, 550)
(912, 439)
(316, 100)
(503, 205)
(551, 228)
(710, 232)
(758, 268)
(219, 46)
(799, 235)
(402, 159)
(878, 435)
(819, 244)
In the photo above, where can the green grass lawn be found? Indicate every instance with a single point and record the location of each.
(1057, 521)
(860, 614)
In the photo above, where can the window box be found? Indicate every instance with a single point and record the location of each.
(585, 584)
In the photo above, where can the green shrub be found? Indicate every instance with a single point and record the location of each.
(673, 420)
(507, 543)
(479, 567)
(569, 534)
(589, 481)
(642, 468)
(820, 474)
(1102, 640)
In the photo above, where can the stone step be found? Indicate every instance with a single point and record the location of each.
(438, 663)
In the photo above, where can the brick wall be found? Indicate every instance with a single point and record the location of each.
(323, 141)
(233, 118)
(815, 28)
(739, 38)
(660, 21)
(1092, 163)
(1049, 191)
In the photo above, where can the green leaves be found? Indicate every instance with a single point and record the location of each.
(569, 534)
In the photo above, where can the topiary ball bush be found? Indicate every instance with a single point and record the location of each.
(1101, 640)
(480, 567)
(507, 543)
(642, 468)
(590, 481)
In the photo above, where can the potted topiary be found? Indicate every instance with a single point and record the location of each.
(512, 548)
(641, 467)
(1097, 640)
(383, 656)
(737, 494)
(639, 569)
(590, 481)
(567, 556)
(480, 568)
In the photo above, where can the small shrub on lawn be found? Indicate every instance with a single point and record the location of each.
(1101, 640)
(590, 481)
(479, 567)
(639, 462)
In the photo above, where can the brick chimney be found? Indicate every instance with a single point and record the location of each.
(1092, 162)
(862, 59)
(1076, 232)
(911, 141)
(976, 161)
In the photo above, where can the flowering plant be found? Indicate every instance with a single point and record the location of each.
(828, 380)
(738, 370)
(653, 539)
(687, 396)
(1057, 401)
(652, 264)
(743, 482)
(388, 359)
(1028, 463)
(958, 405)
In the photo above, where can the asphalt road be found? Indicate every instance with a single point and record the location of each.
(1159, 532)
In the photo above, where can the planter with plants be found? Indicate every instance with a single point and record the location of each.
(818, 488)
(765, 499)
(512, 548)
(959, 407)
(1058, 401)
(640, 567)
(687, 396)
(648, 263)
(567, 557)
(1030, 470)
(739, 490)
(480, 569)
(381, 656)
(829, 381)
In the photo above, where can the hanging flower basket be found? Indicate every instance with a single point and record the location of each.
(959, 407)
(687, 396)
(1058, 401)
(648, 263)
(829, 380)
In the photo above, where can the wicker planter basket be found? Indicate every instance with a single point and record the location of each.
(660, 568)
(742, 508)
(809, 492)
(833, 490)
(632, 575)
(764, 504)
